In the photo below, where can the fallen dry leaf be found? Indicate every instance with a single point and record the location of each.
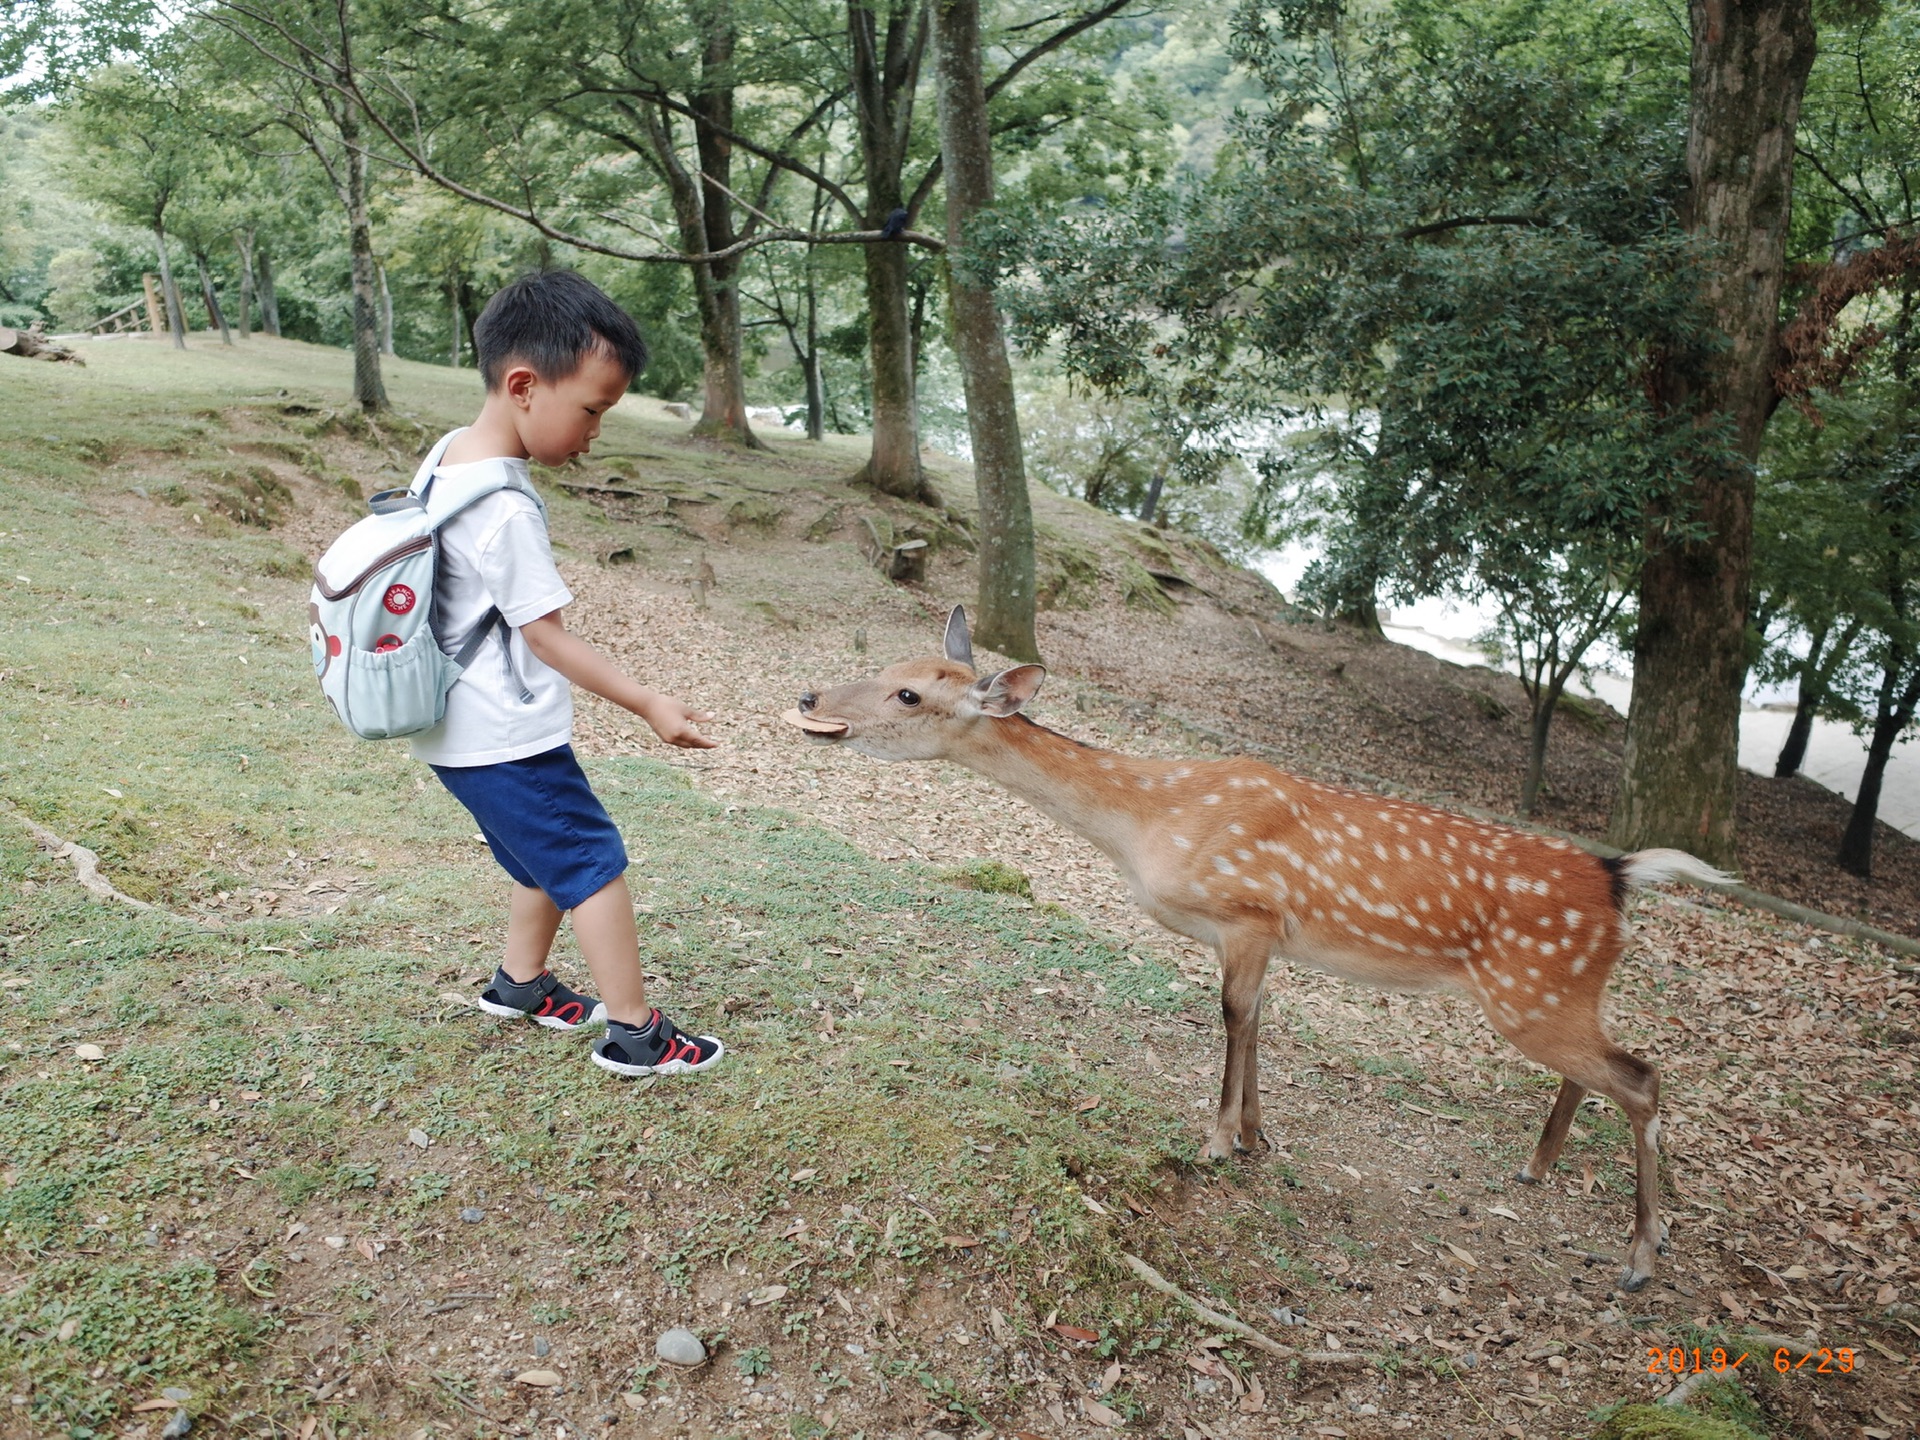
(1074, 1332)
(1255, 1400)
(1092, 1102)
(960, 1242)
(1099, 1414)
(767, 1294)
(539, 1379)
(89, 1052)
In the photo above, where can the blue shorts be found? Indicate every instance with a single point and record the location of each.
(543, 823)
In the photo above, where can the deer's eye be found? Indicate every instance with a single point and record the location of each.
(908, 697)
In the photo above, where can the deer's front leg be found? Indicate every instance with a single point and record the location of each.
(1243, 976)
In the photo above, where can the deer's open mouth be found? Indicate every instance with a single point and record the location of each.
(815, 726)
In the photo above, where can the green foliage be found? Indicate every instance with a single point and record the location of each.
(993, 877)
(1662, 1422)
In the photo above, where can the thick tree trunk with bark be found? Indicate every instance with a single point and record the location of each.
(886, 69)
(369, 390)
(1006, 611)
(708, 227)
(176, 319)
(893, 464)
(216, 317)
(1749, 69)
(1893, 715)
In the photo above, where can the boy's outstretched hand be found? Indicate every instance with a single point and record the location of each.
(675, 722)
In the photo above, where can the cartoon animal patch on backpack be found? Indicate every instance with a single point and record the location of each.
(370, 613)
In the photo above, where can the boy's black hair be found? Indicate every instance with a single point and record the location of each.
(552, 321)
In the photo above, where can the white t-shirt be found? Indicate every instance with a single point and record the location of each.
(496, 553)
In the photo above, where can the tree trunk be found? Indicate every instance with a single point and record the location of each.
(708, 225)
(1892, 717)
(269, 297)
(810, 363)
(885, 70)
(369, 390)
(243, 248)
(1152, 507)
(216, 317)
(1793, 753)
(1006, 609)
(893, 462)
(453, 320)
(176, 321)
(386, 309)
(1678, 785)
(1539, 724)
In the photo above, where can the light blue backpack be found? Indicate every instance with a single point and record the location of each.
(374, 647)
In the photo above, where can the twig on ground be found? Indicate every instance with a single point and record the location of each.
(1246, 1332)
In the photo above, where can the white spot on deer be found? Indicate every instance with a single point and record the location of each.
(1547, 947)
(1533, 972)
(1180, 842)
(1106, 762)
(1249, 882)
(1405, 854)
(1579, 964)
(1236, 828)
(1196, 887)
(1224, 865)
(1536, 1013)
(1552, 997)
(1572, 917)
(1209, 799)
(1426, 848)
(1380, 850)
(1507, 981)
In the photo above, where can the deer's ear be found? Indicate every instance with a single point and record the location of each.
(1008, 692)
(959, 644)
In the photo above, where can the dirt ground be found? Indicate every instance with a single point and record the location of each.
(1791, 1095)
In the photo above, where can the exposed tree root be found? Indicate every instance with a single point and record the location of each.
(86, 869)
(1246, 1332)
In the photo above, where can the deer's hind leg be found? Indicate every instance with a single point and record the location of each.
(1587, 1060)
(1554, 1135)
(1244, 956)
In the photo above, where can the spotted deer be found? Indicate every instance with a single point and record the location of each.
(1255, 863)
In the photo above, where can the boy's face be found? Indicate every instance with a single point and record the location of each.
(559, 419)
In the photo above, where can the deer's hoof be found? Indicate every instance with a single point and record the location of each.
(1216, 1151)
(1526, 1177)
(1632, 1279)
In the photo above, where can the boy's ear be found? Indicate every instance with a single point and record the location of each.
(1008, 692)
(518, 383)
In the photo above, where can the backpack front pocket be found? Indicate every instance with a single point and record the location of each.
(399, 691)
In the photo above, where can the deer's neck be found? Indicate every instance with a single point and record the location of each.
(1094, 793)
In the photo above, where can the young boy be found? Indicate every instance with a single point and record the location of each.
(556, 355)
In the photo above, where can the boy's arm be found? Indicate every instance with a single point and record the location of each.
(672, 720)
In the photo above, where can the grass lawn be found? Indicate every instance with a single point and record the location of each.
(297, 1103)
